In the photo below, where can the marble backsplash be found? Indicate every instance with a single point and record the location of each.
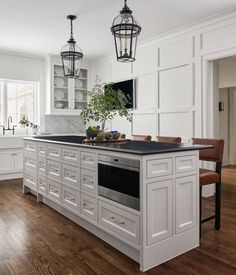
(64, 124)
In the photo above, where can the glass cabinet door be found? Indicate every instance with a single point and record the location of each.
(81, 90)
(61, 89)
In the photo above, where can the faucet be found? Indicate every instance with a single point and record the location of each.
(9, 120)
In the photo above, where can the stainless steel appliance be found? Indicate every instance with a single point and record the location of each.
(118, 180)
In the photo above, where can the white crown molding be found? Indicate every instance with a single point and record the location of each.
(21, 54)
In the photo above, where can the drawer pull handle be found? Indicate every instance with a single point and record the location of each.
(70, 198)
(70, 156)
(85, 206)
(115, 221)
(88, 182)
(88, 160)
(70, 176)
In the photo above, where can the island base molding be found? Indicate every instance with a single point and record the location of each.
(101, 234)
(148, 258)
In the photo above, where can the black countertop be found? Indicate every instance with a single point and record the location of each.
(130, 147)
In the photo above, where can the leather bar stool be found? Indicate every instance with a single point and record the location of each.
(207, 176)
(142, 137)
(165, 139)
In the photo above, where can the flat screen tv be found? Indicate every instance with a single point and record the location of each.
(128, 88)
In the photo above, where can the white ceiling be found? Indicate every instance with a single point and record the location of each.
(40, 27)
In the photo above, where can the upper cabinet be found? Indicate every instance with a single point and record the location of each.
(65, 95)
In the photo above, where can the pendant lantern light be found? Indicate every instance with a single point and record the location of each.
(71, 54)
(125, 29)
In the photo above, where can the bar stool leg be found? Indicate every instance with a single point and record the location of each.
(217, 205)
(200, 211)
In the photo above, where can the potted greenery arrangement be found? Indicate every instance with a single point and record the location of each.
(24, 122)
(104, 104)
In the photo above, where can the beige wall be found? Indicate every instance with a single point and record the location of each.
(227, 72)
(232, 125)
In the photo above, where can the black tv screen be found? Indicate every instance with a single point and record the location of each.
(128, 88)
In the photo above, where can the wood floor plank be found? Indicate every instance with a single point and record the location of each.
(35, 239)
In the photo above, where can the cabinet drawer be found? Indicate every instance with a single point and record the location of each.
(70, 175)
(88, 180)
(54, 169)
(30, 161)
(54, 190)
(121, 222)
(88, 206)
(88, 160)
(42, 185)
(159, 168)
(30, 146)
(42, 164)
(54, 151)
(30, 179)
(185, 164)
(70, 155)
(70, 198)
(42, 147)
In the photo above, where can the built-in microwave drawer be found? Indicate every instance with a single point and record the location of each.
(71, 155)
(30, 161)
(54, 190)
(42, 185)
(123, 223)
(54, 151)
(30, 179)
(70, 175)
(88, 180)
(42, 149)
(30, 146)
(70, 198)
(42, 165)
(185, 164)
(54, 169)
(88, 160)
(88, 206)
(159, 168)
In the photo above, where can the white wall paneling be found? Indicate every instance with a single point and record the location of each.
(175, 87)
(146, 60)
(218, 36)
(176, 53)
(146, 92)
(175, 124)
(102, 71)
(144, 124)
(120, 71)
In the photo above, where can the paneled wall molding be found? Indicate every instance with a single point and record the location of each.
(174, 96)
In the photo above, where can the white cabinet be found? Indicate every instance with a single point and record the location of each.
(65, 95)
(186, 189)
(88, 206)
(159, 214)
(11, 161)
(6, 162)
(119, 221)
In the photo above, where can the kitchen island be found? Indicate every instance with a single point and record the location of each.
(140, 197)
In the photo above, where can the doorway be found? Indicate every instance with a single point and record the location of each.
(227, 119)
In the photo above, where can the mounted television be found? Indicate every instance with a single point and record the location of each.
(128, 88)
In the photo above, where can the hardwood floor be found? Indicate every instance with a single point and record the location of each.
(229, 178)
(34, 239)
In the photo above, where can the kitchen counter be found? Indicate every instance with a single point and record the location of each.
(130, 147)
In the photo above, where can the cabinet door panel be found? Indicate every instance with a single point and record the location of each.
(6, 162)
(18, 161)
(186, 196)
(159, 216)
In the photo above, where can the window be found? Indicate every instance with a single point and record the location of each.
(18, 99)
